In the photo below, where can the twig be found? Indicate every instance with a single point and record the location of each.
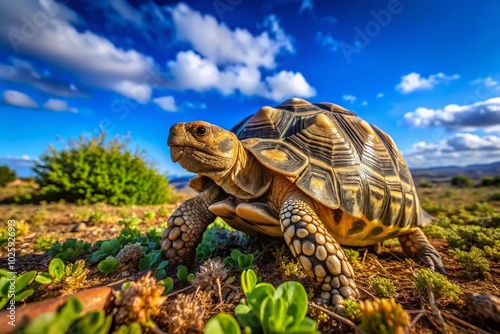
(179, 291)
(154, 328)
(464, 323)
(367, 292)
(419, 315)
(381, 266)
(338, 317)
(436, 310)
(219, 290)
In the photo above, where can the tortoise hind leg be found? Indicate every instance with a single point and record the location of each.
(319, 254)
(416, 246)
(186, 226)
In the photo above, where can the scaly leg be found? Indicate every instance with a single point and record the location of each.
(416, 246)
(186, 226)
(317, 251)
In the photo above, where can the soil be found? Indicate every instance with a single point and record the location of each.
(59, 221)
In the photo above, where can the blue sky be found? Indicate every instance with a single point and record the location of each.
(426, 72)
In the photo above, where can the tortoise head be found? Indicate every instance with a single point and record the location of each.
(203, 148)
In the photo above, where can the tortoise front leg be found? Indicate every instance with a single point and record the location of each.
(317, 251)
(186, 226)
(416, 245)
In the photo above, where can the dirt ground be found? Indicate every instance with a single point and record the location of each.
(273, 261)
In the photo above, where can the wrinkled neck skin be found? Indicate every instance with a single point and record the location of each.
(247, 179)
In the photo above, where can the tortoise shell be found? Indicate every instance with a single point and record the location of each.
(336, 158)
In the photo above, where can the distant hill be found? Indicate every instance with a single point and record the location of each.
(444, 174)
(435, 174)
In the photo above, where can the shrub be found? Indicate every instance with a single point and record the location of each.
(461, 181)
(426, 184)
(6, 175)
(495, 196)
(94, 170)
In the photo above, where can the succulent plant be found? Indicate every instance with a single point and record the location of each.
(185, 314)
(383, 316)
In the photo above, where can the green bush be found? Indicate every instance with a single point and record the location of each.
(489, 181)
(461, 181)
(383, 287)
(440, 285)
(6, 175)
(95, 170)
(473, 262)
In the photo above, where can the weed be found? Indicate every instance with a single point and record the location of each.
(183, 274)
(383, 316)
(129, 222)
(69, 250)
(239, 260)
(351, 310)
(43, 243)
(473, 262)
(19, 229)
(441, 286)
(82, 214)
(149, 216)
(383, 287)
(352, 256)
(40, 216)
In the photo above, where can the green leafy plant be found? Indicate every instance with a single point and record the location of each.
(107, 248)
(69, 250)
(205, 251)
(163, 212)
(19, 229)
(70, 275)
(473, 262)
(383, 287)
(133, 328)
(44, 243)
(352, 256)
(149, 216)
(168, 284)
(440, 285)
(248, 281)
(239, 260)
(68, 319)
(152, 261)
(222, 323)
(129, 222)
(92, 170)
(183, 274)
(97, 216)
(108, 265)
(6, 175)
(15, 288)
(280, 310)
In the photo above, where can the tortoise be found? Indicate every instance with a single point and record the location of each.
(316, 175)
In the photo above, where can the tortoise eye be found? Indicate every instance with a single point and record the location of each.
(201, 131)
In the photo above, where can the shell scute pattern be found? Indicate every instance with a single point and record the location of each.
(339, 160)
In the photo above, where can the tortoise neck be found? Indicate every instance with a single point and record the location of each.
(247, 179)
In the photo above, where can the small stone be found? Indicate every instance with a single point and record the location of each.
(79, 227)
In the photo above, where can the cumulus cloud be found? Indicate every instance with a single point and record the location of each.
(191, 71)
(459, 149)
(327, 40)
(58, 105)
(21, 164)
(18, 99)
(349, 98)
(414, 81)
(480, 115)
(92, 59)
(21, 71)
(364, 103)
(167, 103)
(221, 45)
(488, 82)
(379, 95)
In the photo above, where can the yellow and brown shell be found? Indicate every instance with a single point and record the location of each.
(336, 158)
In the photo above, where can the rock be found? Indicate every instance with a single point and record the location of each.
(79, 227)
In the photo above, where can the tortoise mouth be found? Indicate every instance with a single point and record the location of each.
(176, 152)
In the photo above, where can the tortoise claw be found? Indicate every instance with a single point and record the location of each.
(416, 246)
(430, 257)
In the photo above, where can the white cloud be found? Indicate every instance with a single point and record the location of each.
(488, 82)
(58, 105)
(364, 103)
(349, 98)
(480, 115)
(288, 84)
(460, 149)
(23, 72)
(379, 95)
(306, 5)
(191, 71)
(221, 45)
(92, 59)
(126, 11)
(413, 81)
(18, 99)
(327, 40)
(167, 103)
